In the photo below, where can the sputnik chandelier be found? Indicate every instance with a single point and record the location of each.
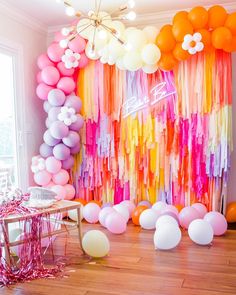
(97, 25)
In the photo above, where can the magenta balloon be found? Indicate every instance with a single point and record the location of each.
(116, 223)
(39, 78)
(55, 52)
(202, 209)
(56, 97)
(43, 61)
(64, 71)
(73, 101)
(145, 203)
(49, 140)
(78, 44)
(53, 113)
(76, 149)
(46, 106)
(83, 62)
(187, 215)
(53, 165)
(42, 91)
(217, 221)
(58, 130)
(42, 177)
(66, 84)
(45, 150)
(61, 152)
(61, 177)
(78, 123)
(50, 75)
(72, 139)
(69, 163)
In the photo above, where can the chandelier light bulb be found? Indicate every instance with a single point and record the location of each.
(65, 31)
(128, 46)
(131, 15)
(91, 13)
(70, 11)
(102, 35)
(91, 53)
(131, 4)
(64, 43)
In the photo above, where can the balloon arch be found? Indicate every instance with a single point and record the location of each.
(190, 32)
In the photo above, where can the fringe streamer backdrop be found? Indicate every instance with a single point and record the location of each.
(163, 136)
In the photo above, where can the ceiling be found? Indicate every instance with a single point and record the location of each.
(51, 13)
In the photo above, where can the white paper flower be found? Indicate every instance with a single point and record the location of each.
(38, 164)
(67, 115)
(192, 43)
(71, 59)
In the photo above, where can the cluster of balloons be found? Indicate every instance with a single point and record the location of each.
(215, 28)
(56, 88)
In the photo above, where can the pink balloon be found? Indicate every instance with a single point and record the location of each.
(103, 215)
(76, 149)
(61, 152)
(70, 192)
(69, 163)
(55, 52)
(170, 208)
(66, 84)
(83, 61)
(217, 221)
(72, 139)
(43, 61)
(202, 209)
(50, 75)
(91, 212)
(42, 177)
(78, 123)
(58, 130)
(50, 184)
(130, 206)
(62, 177)
(187, 215)
(64, 71)
(42, 91)
(39, 77)
(56, 97)
(53, 165)
(60, 191)
(78, 44)
(116, 223)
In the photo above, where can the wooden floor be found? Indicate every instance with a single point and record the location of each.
(134, 267)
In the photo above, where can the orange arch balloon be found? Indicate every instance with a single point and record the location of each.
(231, 23)
(232, 46)
(179, 53)
(180, 15)
(167, 61)
(198, 16)
(165, 40)
(181, 28)
(221, 37)
(217, 16)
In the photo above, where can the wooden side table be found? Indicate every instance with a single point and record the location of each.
(59, 207)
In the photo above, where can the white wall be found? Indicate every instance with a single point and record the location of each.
(33, 42)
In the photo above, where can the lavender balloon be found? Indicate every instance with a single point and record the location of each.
(49, 140)
(56, 97)
(73, 101)
(72, 139)
(45, 150)
(58, 130)
(48, 123)
(69, 163)
(76, 149)
(61, 152)
(78, 124)
(53, 113)
(46, 106)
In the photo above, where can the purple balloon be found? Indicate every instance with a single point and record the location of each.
(46, 106)
(109, 204)
(69, 163)
(49, 140)
(75, 150)
(72, 139)
(53, 113)
(145, 203)
(78, 123)
(61, 152)
(45, 150)
(56, 97)
(73, 101)
(58, 130)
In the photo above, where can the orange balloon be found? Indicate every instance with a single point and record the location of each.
(82, 201)
(180, 15)
(206, 37)
(217, 16)
(179, 53)
(198, 16)
(231, 23)
(99, 203)
(232, 46)
(136, 214)
(179, 207)
(167, 61)
(221, 37)
(165, 40)
(181, 28)
(231, 212)
(167, 28)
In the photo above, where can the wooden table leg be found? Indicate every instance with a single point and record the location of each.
(79, 227)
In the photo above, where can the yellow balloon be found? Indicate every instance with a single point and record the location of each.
(96, 244)
(151, 54)
(132, 61)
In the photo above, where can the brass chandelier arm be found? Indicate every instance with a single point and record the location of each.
(113, 34)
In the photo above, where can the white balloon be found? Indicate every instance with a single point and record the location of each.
(122, 210)
(98, 42)
(120, 63)
(151, 33)
(14, 233)
(150, 69)
(130, 206)
(73, 214)
(159, 206)
(137, 39)
(148, 219)
(128, 31)
(151, 54)
(132, 60)
(164, 220)
(92, 54)
(200, 232)
(119, 27)
(103, 215)
(95, 243)
(116, 49)
(111, 60)
(167, 237)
